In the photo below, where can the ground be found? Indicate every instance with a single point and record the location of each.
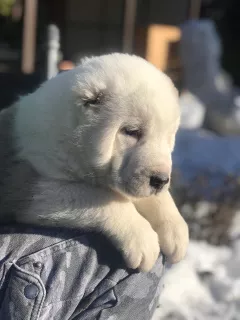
(206, 285)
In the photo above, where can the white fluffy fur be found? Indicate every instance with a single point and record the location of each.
(66, 136)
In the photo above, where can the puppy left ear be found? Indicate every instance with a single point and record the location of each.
(93, 101)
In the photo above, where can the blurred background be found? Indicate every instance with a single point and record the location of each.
(197, 44)
(149, 28)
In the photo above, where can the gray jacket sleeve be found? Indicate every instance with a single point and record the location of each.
(51, 274)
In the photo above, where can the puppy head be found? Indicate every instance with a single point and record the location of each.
(111, 121)
(128, 115)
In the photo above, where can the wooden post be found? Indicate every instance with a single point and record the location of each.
(129, 25)
(29, 36)
(195, 8)
(158, 41)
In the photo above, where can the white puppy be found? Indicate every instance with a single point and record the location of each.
(97, 143)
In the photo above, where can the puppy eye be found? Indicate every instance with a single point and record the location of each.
(135, 133)
(95, 101)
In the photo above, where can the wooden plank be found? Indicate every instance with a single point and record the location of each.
(129, 25)
(29, 36)
(159, 38)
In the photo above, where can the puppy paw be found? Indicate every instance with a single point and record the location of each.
(173, 239)
(140, 246)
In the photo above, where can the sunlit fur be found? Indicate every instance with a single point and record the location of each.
(65, 136)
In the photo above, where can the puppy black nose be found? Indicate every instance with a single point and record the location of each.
(158, 181)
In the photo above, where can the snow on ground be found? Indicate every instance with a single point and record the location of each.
(206, 285)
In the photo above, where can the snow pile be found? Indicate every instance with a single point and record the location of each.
(206, 285)
(192, 111)
(201, 151)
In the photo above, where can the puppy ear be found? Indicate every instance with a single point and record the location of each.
(93, 100)
(88, 96)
